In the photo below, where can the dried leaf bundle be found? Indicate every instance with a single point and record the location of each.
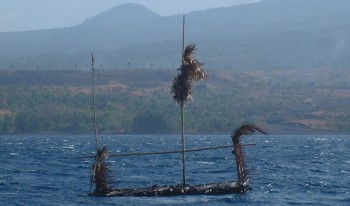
(191, 65)
(101, 172)
(191, 71)
(242, 170)
(181, 88)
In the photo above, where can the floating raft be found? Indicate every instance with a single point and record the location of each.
(101, 172)
(175, 190)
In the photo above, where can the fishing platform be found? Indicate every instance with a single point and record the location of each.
(100, 172)
(190, 72)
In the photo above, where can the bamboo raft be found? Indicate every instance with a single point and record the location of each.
(174, 190)
(103, 189)
(190, 72)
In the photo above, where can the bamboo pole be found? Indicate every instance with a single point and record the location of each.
(93, 99)
(95, 122)
(168, 152)
(183, 146)
(183, 40)
(182, 113)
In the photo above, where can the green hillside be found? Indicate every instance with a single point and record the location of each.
(139, 101)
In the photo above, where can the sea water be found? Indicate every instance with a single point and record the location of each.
(284, 170)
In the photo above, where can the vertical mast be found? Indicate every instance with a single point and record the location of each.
(183, 39)
(93, 98)
(182, 113)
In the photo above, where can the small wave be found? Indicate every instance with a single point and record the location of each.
(12, 153)
(321, 139)
(68, 147)
(206, 163)
(273, 190)
(31, 170)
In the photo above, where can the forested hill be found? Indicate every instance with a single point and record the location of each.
(284, 34)
(139, 101)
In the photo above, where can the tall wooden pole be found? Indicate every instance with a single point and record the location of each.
(183, 40)
(95, 126)
(93, 99)
(183, 146)
(182, 113)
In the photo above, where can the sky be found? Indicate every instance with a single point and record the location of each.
(24, 15)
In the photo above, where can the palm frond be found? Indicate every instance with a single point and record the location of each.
(191, 65)
(101, 172)
(242, 170)
(247, 129)
(189, 51)
(181, 88)
(191, 71)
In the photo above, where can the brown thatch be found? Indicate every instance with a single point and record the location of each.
(181, 88)
(101, 172)
(191, 71)
(242, 170)
(191, 65)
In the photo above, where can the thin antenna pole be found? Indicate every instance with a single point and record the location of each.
(95, 125)
(182, 113)
(183, 146)
(183, 39)
(93, 99)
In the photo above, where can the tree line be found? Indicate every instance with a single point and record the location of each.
(226, 100)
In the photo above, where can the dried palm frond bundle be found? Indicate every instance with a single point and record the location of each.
(101, 172)
(191, 65)
(242, 170)
(191, 71)
(181, 88)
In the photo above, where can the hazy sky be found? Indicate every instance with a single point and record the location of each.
(20, 15)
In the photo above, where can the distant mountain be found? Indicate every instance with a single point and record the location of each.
(121, 14)
(271, 34)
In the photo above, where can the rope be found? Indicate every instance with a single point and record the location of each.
(168, 152)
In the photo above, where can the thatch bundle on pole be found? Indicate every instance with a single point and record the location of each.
(190, 72)
(101, 172)
(242, 170)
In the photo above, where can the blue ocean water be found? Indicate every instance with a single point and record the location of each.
(285, 170)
